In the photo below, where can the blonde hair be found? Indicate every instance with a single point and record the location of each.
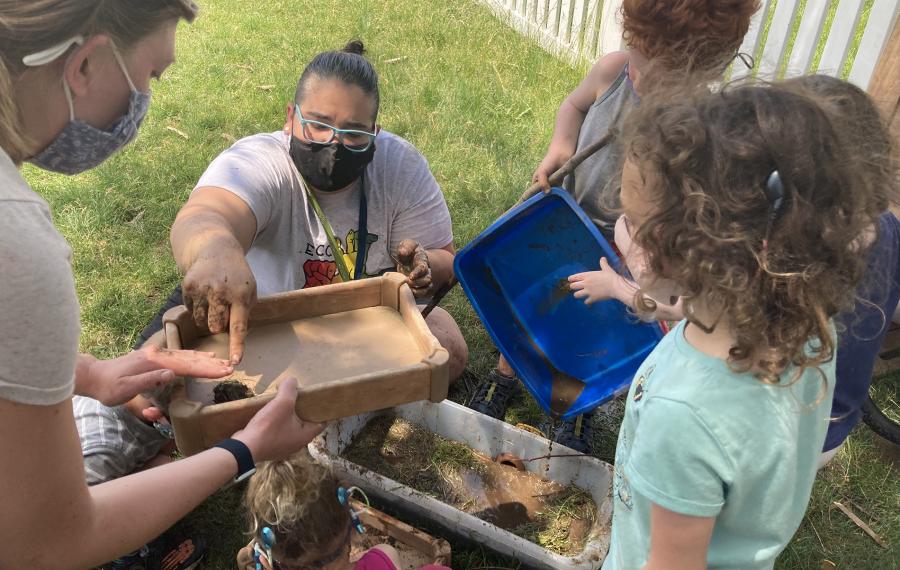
(297, 499)
(34, 26)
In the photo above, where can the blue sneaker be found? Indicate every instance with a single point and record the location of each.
(493, 395)
(575, 433)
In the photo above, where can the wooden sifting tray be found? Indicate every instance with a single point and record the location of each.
(354, 347)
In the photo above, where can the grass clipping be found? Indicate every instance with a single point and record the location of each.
(554, 516)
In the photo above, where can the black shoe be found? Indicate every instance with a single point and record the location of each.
(171, 551)
(575, 433)
(493, 395)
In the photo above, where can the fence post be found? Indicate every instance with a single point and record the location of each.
(885, 84)
(611, 28)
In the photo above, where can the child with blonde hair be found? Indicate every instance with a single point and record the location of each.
(759, 225)
(301, 518)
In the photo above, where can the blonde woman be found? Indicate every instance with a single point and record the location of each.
(74, 88)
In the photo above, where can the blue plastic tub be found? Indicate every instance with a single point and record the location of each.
(515, 275)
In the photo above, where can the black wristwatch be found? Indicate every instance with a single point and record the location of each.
(242, 455)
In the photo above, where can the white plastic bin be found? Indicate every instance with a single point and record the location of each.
(490, 437)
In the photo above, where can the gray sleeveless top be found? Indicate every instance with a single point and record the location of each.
(596, 182)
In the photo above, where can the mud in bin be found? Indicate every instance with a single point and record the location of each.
(354, 347)
(491, 438)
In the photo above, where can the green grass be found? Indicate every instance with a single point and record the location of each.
(475, 97)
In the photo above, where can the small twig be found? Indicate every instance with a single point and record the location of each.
(862, 510)
(858, 522)
(180, 133)
(395, 59)
(266, 87)
(552, 455)
(439, 296)
(499, 79)
(819, 537)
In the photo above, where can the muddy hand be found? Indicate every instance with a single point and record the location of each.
(412, 261)
(276, 432)
(219, 292)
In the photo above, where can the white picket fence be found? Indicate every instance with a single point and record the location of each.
(583, 30)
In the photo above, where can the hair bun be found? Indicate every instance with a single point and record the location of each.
(355, 46)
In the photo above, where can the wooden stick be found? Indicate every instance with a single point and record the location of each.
(439, 296)
(858, 522)
(570, 165)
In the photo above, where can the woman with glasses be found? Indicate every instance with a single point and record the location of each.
(329, 198)
(270, 212)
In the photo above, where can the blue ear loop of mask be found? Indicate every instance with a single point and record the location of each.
(264, 550)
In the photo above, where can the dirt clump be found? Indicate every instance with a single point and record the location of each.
(231, 390)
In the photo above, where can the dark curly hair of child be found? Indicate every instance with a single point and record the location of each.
(777, 272)
(687, 34)
(858, 120)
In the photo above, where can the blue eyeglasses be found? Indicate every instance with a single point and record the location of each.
(321, 133)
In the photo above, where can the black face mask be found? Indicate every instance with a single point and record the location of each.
(329, 167)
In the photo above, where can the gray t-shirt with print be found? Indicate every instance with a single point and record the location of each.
(291, 250)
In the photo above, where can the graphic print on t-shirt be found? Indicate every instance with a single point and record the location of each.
(324, 272)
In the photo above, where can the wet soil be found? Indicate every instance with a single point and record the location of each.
(563, 392)
(552, 515)
(231, 390)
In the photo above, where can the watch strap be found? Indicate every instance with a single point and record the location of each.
(241, 453)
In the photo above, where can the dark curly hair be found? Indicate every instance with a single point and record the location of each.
(696, 34)
(859, 121)
(708, 157)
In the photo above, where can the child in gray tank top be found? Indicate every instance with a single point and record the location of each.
(698, 34)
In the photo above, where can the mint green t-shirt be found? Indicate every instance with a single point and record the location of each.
(701, 440)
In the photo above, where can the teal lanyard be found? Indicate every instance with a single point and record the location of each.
(362, 234)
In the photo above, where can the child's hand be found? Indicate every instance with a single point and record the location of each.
(550, 164)
(593, 286)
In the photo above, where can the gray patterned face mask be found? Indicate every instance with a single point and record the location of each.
(80, 146)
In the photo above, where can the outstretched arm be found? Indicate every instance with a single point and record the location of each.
(56, 521)
(209, 238)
